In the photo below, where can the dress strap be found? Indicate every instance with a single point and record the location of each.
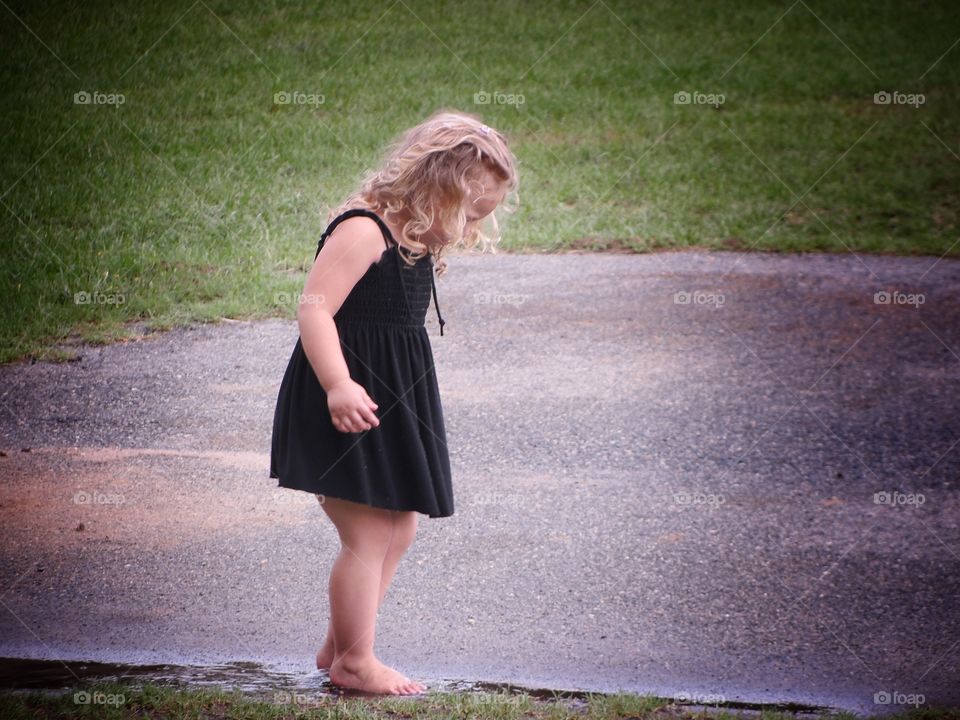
(388, 238)
(387, 235)
(433, 286)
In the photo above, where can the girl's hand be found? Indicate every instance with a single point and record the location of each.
(351, 409)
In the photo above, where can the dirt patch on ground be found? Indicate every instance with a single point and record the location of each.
(136, 495)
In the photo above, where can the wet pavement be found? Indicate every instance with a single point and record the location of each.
(745, 492)
(301, 689)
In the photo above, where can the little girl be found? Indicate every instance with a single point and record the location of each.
(358, 420)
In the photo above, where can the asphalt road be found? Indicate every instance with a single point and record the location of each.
(651, 495)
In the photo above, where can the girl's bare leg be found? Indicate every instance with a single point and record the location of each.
(404, 533)
(356, 587)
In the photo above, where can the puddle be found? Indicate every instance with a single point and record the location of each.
(251, 678)
(259, 681)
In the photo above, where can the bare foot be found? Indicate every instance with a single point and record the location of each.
(373, 676)
(325, 656)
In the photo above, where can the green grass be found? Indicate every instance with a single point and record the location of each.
(200, 198)
(119, 702)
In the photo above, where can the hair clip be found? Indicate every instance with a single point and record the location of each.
(484, 129)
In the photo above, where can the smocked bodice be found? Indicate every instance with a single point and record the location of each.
(391, 292)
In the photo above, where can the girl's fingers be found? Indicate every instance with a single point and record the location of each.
(343, 423)
(370, 417)
(357, 421)
(362, 418)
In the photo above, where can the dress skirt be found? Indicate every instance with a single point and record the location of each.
(400, 465)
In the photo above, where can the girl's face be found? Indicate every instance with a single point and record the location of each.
(477, 205)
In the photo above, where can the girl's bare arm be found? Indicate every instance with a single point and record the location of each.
(348, 252)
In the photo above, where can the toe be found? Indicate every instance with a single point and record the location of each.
(401, 687)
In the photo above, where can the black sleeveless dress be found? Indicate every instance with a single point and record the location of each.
(402, 464)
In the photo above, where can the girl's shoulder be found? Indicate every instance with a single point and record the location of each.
(357, 236)
(360, 217)
(359, 221)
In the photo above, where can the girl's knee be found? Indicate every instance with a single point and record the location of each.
(405, 529)
(370, 530)
(367, 532)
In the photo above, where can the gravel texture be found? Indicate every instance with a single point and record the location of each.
(651, 495)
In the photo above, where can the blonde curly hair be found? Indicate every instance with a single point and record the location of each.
(426, 175)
